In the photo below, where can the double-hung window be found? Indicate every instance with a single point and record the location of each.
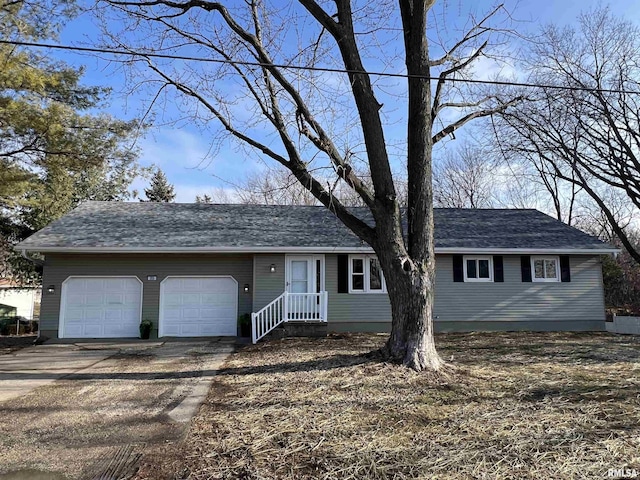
(545, 269)
(478, 269)
(365, 275)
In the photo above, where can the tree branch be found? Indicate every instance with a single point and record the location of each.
(448, 130)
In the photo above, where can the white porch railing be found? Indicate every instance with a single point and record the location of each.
(289, 307)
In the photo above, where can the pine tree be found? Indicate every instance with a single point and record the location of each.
(57, 148)
(160, 189)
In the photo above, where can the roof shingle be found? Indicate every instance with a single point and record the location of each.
(156, 226)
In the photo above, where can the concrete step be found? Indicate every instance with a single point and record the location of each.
(299, 329)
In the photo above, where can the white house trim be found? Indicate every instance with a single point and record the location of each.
(319, 249)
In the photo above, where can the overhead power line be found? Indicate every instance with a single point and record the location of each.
(504, 83)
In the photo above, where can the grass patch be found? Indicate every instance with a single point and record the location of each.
(520, 405)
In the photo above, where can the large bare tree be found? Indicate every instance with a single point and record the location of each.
(583, 130)
(312, 121)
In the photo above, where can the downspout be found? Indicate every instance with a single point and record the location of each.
(38, 262)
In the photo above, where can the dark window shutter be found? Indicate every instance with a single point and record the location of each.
(458, 271)
(498, 268)
(343, 273)
(525, 266)
(565, 269)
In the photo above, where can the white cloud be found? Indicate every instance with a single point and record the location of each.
(168, 148)
(485, 68)
(184, 155)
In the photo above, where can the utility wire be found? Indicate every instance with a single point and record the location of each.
(503, 83)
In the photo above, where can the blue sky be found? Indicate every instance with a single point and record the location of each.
(184, 150)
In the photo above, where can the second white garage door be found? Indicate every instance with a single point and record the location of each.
(198, 306)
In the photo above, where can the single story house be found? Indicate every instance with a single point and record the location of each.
(193, 269)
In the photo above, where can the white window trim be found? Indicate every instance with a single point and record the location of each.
(476, 258)
(367, 276)
(555, 258)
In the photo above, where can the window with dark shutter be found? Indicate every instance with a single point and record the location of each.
(498, 268)
(565, 268)
(525, 266)
(343, 273)
(458, 269)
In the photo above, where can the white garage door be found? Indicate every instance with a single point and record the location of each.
(198, 306)
(100, 307)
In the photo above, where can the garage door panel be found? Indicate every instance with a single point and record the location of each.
(190, 298)
(91, 329)
(90, 284)
(211, 299)
(198, 306)
(113, 315)
(190, 330)
(104, 307)
(94, 299)
(193, 314)
(115, 299)
(73, 331)
(91, 315)
(188, 284)
(131, 298)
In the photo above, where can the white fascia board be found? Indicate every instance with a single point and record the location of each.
(197, 249)
(363, 249)
(528, 251)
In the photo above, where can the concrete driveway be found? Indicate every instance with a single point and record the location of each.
(76, 410)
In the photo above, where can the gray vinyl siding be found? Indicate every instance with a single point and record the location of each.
(268, 286)
(511, 305)
(353, 307)
(579, 301)
(58, 267)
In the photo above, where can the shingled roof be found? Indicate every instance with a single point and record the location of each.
(154, 227)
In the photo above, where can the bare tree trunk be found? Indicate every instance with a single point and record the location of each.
(410, 285)
(412, 337)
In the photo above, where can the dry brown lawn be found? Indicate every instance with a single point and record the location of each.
(520, 405)
(9, 344)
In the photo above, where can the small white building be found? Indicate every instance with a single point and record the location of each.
(25, 300)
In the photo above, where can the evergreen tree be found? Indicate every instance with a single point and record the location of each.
(160, 189)
(53, 152)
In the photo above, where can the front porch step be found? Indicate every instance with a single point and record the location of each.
(299, 329)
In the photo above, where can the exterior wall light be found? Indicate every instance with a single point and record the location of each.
(51, 289)
(246, 288)
(272, 268)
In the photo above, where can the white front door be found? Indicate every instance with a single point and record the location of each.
(305, 274)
